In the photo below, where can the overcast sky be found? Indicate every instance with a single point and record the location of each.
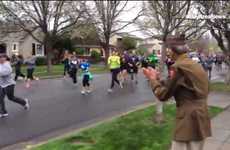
(131, 14)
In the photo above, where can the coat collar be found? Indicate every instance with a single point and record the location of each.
(181, 57)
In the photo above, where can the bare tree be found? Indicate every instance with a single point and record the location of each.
(51, 18)
(219, 26)
(165, 18)
(106, 16)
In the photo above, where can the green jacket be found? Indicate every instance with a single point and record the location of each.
(152, 59)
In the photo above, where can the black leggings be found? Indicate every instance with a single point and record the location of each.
(66, 69)
(114, 73)
(30, 73)
(73, 75)
(18, 73)
(209, 70)
(9, 91)
(85, 81)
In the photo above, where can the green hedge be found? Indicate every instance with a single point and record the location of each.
(41, 60)
(95, 56)
(79, 51)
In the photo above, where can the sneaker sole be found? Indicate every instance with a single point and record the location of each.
(4, 116)
(27, 106)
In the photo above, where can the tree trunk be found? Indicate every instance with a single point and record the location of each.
(48, 57)
(49, 62)
(159, 117)
(227, 77)
(107, 51)
(106, 48)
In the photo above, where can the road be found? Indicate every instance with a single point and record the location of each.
(57, 104)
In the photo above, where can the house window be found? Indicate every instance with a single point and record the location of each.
(87, 51)
(15, 47)
(119, 39)
(33, 48)
(39, 50)
(102, 54)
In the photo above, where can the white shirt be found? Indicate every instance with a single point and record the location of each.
(6, 78)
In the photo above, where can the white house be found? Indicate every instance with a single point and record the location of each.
(16, 41)
(116, 39)
(152, 44)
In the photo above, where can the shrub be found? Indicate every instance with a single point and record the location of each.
(79, 51)
(129, 43)
(41, 60)
(141, 51)
(95, 56)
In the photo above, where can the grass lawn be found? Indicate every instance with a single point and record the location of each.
(135, 131)
(40, 71)
(220, 87)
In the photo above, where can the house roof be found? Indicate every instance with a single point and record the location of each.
(147, 45)
(90, 46)
(159, 37)
(10, 30)
(123, 34)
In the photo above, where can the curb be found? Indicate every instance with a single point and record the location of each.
(51, 77)
(28, 145)
(61, 76)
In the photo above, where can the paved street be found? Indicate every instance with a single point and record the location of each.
(57, 104)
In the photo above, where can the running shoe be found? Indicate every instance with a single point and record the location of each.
(88, 91)
(27, 85)
(27, 105)
(110, 90)
(4, 115)
(121, 85)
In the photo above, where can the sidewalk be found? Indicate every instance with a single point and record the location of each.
(220, 139)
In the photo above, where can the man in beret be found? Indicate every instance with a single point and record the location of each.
(7, 85)
(188, 84)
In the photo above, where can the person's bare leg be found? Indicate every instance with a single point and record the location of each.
(83, 91)
(179, 145)
(89, 90)
(28, 83)
(196, 145)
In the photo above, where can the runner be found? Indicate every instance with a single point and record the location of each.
(144, 61)
(65, 61)
(219, 63)
(114, 66)
(169, 62)
(31, 63)
(123, 70)
(17, 64)
(7, 85)
(86, 77)
(133, 64)
(152, 60)
(73, 68)
(208, 66)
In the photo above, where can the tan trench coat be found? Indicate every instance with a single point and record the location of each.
(188, 84)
